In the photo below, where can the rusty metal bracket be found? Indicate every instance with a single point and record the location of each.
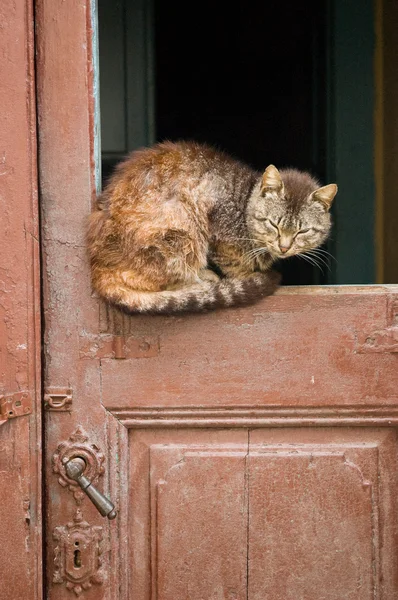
(15, 405)
(58, 399)
(383, 340)
(105, 345)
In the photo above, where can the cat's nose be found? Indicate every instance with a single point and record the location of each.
(285, 243)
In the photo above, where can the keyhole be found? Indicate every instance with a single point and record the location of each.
(77, 559)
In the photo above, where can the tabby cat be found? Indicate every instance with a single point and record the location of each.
(172, 210)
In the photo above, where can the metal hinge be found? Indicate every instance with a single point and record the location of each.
(15, 405)
(383, 340)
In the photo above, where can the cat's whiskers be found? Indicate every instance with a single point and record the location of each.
(305, 258)
(255, 251)
(324, 252)
(321, 259)
(253, 254)
(315, 257)
(310, 260)
(318, 257)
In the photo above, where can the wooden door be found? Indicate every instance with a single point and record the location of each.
(250, 453)
(20, 401)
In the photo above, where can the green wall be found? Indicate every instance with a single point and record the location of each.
(350, 138)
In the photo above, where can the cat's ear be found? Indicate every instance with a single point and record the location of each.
(271, 180)
(325, 195)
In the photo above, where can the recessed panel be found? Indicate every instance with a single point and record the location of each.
(189, 515)
(317, 517)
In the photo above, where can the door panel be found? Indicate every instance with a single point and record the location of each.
(323, 514)
(20, 400)
(190, 491)
(286, 512)
(304, 347)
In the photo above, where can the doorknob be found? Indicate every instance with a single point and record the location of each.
(75, 468)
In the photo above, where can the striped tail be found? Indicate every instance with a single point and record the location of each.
(202, 297)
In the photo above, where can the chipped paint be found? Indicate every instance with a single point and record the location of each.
(20, 438)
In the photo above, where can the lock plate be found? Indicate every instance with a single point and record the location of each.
(78, 446)
(78, 555)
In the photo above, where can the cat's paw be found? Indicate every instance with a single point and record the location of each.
(208, 275)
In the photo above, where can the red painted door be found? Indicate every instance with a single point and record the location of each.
(250, 453)
(20, 401)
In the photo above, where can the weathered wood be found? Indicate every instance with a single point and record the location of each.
(20, 422)
(66, 113)
(291, 350)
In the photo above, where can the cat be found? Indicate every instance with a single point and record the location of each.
(172, 210)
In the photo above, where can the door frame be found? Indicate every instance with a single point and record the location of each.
(20, 312)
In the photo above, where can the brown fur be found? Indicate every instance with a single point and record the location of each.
(172, 208)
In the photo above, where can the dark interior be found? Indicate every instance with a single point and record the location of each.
(243, 81)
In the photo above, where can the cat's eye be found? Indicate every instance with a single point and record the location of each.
(303, 231)
(274, 225)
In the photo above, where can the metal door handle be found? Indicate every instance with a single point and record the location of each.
(75, 470)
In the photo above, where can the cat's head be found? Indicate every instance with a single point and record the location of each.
(288, 213)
